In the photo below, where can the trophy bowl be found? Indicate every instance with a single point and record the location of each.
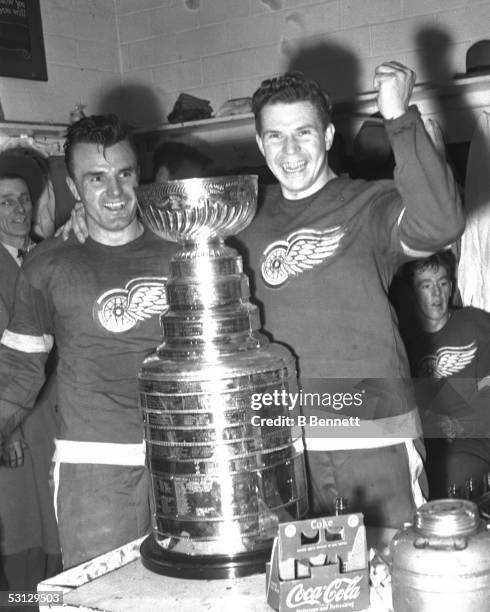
(199, 209)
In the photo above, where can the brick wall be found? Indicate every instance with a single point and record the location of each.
(219, 49)
(82, 55)
(136, 56)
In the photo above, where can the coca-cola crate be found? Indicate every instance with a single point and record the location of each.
(318, 565)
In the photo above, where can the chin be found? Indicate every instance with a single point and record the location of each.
(297, 187)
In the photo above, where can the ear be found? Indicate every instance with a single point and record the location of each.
(329, 135)
(260, 144)
(73, 188)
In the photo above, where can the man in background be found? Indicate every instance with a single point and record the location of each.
(323, 250)
(29, 548)
(100, 302)
(177, 160)
(449, 353)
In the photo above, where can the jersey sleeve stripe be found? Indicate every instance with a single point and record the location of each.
(26, 343)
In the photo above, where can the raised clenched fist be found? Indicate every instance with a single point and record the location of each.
(394, 83)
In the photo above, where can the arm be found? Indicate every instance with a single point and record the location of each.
(24, 348)
(4, 314)
(21, 379)
(431, 215)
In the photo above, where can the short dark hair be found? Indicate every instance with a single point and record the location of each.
(104, 130)
(291, 87)
(442, 259)
(12, 176)
(172, 154)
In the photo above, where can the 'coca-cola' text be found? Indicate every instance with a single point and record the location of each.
(338, 591)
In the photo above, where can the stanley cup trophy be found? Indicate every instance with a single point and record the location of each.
(221, 480)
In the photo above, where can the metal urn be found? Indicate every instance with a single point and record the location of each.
(221, 480)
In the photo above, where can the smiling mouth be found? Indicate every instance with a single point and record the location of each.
(115, 206)
(293, 167)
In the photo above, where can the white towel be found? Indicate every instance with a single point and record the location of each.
(474, 263)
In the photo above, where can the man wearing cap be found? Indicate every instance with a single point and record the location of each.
(29, 549)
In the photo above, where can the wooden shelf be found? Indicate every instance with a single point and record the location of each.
(35, 130)
(450, 104)
(202, 124)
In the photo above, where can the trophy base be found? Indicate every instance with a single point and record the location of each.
(205, 567)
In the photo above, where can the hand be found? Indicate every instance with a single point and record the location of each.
(76, 224)
(394, 83)
(483, 382)
(450, 427)
(13, 454)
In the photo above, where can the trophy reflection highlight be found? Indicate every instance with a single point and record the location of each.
(220, 484)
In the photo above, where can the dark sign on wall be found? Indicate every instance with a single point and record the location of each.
(21, 40)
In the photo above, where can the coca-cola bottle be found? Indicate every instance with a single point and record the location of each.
(341, 505)
(452, 491)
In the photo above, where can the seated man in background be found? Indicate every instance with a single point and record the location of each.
(29, 548)
(100, 302)
(450, 350)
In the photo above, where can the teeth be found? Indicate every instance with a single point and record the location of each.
(294, 166)
(114, 205)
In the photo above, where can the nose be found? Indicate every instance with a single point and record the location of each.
(114, 186)
(290, 144)
(436, 290)
(20, 206)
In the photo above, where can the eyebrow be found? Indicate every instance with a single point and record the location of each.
(429, 280)
(11, 194)
(104, 172)
(271, 131)
(299, 127)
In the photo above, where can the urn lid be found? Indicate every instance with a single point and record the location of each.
(447, 517)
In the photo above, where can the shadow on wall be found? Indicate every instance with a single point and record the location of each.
(137, 105)
(333, 66)
(434, 47)
(337, 71)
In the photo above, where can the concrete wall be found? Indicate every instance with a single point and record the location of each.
(221, 49)
(82, 55)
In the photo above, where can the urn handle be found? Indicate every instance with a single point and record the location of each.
(438, 543)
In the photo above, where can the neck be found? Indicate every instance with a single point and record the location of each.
(18, 242)
(327, 176)
(115, 238)
(431, 326)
